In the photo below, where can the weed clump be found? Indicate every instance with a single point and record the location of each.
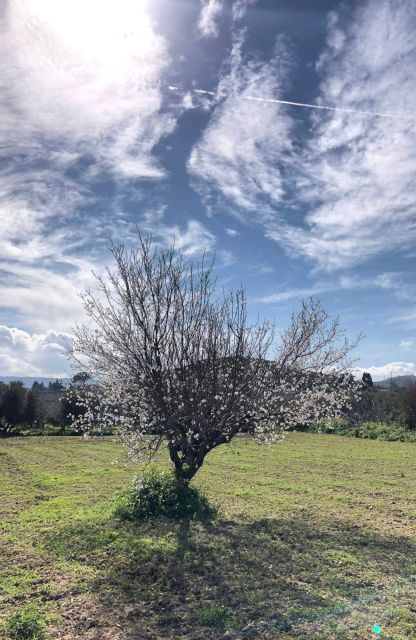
(217, 616)
(159, 493)
(26, 624)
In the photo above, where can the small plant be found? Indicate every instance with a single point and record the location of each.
(160, 493)
(25, 625)
(216, 616)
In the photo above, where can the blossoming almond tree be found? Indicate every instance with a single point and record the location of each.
(175, 364)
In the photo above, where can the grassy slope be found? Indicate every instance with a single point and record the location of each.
(315, 538)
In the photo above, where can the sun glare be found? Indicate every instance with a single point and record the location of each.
(96, 29)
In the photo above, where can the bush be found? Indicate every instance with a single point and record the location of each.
(160, 493)
(382, 431)
(392, 432)
(339, 426)
(25, 625)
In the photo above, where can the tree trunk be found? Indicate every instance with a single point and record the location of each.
(187, 466)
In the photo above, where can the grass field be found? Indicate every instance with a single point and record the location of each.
(315, 538)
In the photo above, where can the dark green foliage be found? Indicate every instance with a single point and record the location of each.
(159, 493)
(216, 616)
(408, 401)
(13, 403)
(25, 625)
(367, 380)
(339, 426)
(56, 386)
(38, 386)
(372, 430)
(33, 410)
(389, 432)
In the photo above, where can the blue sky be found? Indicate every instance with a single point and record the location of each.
(165, 114)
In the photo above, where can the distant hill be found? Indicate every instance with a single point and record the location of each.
(29, 380)
(397, 382)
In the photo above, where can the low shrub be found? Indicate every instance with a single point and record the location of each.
(217, 616)
(339, 426)
(26, 624)
(160, 493)
(382, 431)
(392, 432)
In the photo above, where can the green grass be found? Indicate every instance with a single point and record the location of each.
(314, 538)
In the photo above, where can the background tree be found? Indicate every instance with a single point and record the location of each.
(176, 363)
(407, 400)
(13, 404)
(367, 380)
(32, 409)
(38, 386)
(3, 424)
(56, 386)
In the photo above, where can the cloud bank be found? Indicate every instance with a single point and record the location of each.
(389, 370)
(33, 354)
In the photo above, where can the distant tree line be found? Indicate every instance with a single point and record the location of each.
(41, 408)
(55, 408)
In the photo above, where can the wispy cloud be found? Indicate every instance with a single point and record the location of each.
(351, 182)
(357, 176)
(407, 344)
(193, 238)
(388, 281)
(240, 157)
(406, 318)
(232, 232)
(211, 10)
(208, 18)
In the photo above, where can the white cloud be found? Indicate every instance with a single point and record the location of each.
(358, 173)
(41, 297)
(193, 240)
(388, 370)
(240, 156)
(81, 74)
(232, 232)
(210, 12)
(389, 281)
(22, 353)
(262, 269)
(11, 366)
(240, 7)
(291, 294)
(406, 344)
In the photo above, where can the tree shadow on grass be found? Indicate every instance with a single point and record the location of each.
(274, 576)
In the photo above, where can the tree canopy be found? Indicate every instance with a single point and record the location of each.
(177, 363)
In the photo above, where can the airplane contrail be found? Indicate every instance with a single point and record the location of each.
(303, 104)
